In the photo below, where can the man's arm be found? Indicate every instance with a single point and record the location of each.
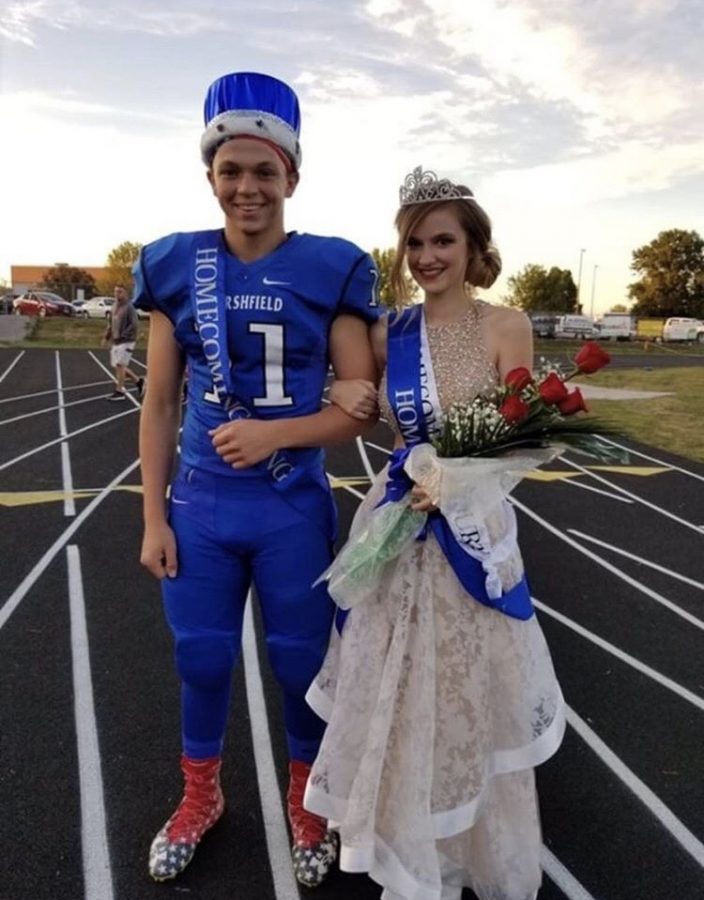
(248, 441)
(158, 435)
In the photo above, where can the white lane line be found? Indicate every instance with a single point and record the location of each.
(277, 839)
(74, 387)
(655, 459)
(562, 877)
(28, 581)
(105, 369)
(138, 362)
(365, 459)
(97, 874)
(641, 500)
(662, 680)
(384, 450)
(48, 409)
(72, 434)
(638, 559)
(66, 474)
(600, 561)
(679, 831)
(573, 482)
(11, 366)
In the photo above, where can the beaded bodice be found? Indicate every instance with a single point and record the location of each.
(460, 362)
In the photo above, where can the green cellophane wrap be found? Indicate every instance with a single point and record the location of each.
(360, 563)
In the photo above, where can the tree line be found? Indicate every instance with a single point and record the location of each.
(64, 280)
(670, 280)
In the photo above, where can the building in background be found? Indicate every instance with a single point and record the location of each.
(24, 278)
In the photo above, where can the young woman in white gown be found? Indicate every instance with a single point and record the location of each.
(438, 706)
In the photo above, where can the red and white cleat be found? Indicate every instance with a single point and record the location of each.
(201, 807)
(314, 848)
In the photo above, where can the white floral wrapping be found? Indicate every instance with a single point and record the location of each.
(471, 493)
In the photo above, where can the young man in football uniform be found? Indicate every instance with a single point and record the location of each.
(256, 314)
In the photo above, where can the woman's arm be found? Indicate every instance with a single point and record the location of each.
(158, 436)
(509, 339)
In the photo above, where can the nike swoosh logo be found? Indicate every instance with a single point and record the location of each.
(266, 280)
(182, 502)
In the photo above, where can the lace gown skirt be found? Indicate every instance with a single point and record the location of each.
(441, 709)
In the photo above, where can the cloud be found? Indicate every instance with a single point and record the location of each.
(562, 118)
(20, 20)
(24, 21)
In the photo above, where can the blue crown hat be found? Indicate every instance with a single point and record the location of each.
(248, 103)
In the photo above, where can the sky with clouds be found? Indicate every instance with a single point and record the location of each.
(577, 124)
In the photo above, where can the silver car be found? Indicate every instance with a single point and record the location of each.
(97, 308)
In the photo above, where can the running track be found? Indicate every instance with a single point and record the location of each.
(89, 736)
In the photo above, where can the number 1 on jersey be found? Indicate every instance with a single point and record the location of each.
(273, 365)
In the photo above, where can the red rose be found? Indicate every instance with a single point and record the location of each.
(573, 403)
(591, 358)
(518, 378)
(552, 390)
(513, 409)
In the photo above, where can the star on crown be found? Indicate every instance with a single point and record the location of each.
(423, 187)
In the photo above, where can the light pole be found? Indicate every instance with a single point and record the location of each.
(591, 308)
(579, 274)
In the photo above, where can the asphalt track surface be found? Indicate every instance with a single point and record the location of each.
(89, 730)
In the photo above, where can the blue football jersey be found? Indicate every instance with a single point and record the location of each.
(279, 310)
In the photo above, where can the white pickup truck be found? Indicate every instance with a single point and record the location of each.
(681, 328)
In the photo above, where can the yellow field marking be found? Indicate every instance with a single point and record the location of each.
(547, 475)
(644, 471)
(562, 474)
(336, 482)
(30, 498)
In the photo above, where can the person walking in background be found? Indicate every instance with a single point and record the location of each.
(255, 315)
(440, 696)
(121, 336)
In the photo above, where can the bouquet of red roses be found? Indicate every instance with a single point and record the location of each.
(484, 448)
(528, 412)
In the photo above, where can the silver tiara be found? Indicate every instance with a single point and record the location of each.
(422, 187)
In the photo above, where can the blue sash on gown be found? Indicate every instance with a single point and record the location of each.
(408, 369)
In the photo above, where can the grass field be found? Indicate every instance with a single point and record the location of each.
(82, 333)
(673, 423)
(65, 334)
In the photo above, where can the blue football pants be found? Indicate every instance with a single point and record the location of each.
(233, 532)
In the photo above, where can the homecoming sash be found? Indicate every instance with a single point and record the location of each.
(412, 394)
(208, 302)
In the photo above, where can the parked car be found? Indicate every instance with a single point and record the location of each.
(619, 326)
(543, 325)
(97, 308)
(78, 306)
(683, 328)
(6, 302)
(675, 328)
(574, 326)
(42, 303)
